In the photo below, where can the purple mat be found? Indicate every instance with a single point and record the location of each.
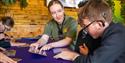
(22, 52)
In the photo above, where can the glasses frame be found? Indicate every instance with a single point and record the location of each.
(85, 27)
(84, 30)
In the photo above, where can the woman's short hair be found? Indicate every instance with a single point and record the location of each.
(54, 2)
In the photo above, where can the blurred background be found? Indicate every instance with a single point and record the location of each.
(31, 15)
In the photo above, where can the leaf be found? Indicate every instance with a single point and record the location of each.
(12, 1)
(23, 3)
(5, 2)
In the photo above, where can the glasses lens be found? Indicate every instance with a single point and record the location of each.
(84, 33)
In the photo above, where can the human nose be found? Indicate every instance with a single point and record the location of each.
(57, 15)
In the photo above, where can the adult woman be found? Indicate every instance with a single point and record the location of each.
(61, 28)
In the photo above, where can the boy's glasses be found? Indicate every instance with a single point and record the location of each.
(85, 27)
(85, 32)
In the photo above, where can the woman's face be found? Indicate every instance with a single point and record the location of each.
(57, 13)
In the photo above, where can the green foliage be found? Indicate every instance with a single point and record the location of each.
(111, 3)
(23, 3)
(8, 2)
(123, 11)
(117, 19)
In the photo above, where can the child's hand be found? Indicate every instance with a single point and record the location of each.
(84, 49)
(6, 59)
(67, 55)
(2, 36)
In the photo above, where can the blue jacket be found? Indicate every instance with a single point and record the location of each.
(112, 49)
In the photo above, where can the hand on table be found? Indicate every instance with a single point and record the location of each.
(6, 59)
(19, 44)
(34, 48)
(46, 47)
(67, 55)
(2, 36)
(84, 49)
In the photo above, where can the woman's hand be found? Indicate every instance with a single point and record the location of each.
(34, 48)
(46, 47)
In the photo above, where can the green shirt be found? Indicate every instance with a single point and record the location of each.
(69, 28)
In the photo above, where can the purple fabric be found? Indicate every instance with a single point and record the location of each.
(22, 52)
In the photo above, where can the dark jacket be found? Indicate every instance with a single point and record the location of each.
(91, 43)
(112, 49)
(5, 43)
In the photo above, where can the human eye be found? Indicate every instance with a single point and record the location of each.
(53, 12)
(60, 10)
